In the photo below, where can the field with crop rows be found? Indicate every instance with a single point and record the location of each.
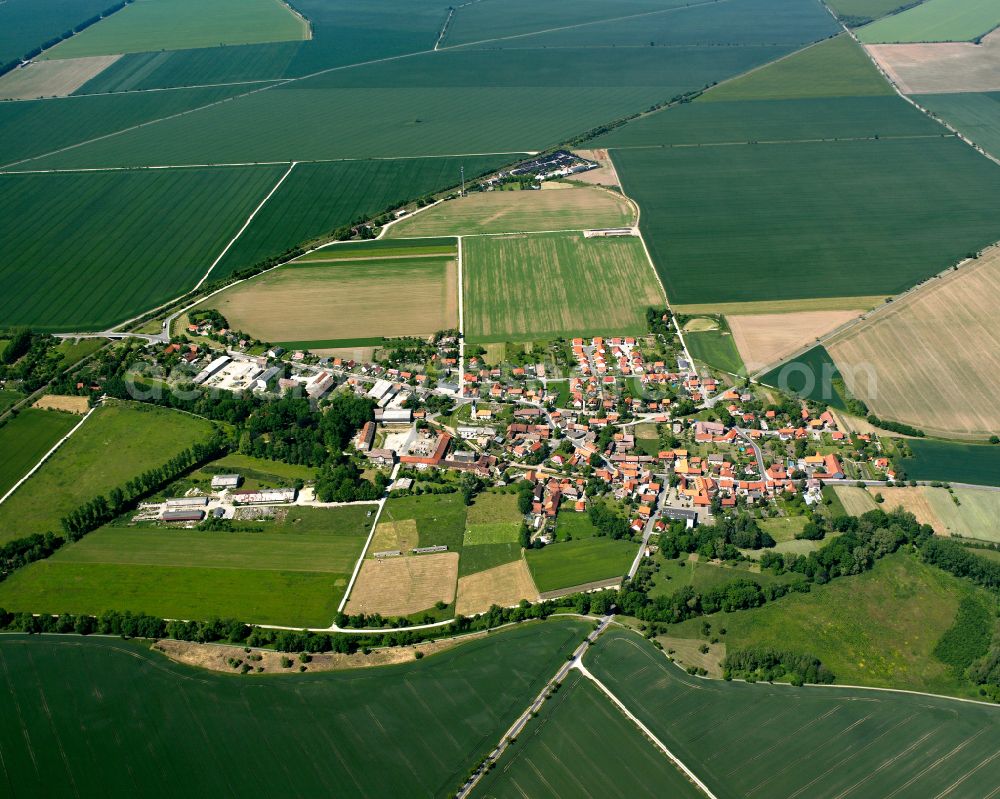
(450, 709)
(26, 437)
(935, 21)
(148, 25)
(932, 459)
(778, 741)
(812, 374)
(118, 442)
(976, 115)
(156, 235)
(316, 199)
(24, 25)
(292, 573)
(555, 285)
(555, 755)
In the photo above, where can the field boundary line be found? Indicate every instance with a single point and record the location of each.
(246, 224)
(47, 455)
(578, 664)
(460, 391)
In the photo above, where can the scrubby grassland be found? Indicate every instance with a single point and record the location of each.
(978, 464)
(147, 25)
(104, 247)
(935, 21)
(556, 753)
(763, 740)
(976, 115)
(578, 562)
(974, 516)
(26, 438)
(115, 444)
(834, 68)
(906, 361)
(705, 575)
(520, 211)
(381, 248)
(26, 24)
(555, 285)
(812, 374)
(316, 199)
(810, 219)
(440, 518)
(51, 78)
(35, 127)
(450, 709)
(764, 339)
(314, 301)
(716, 348)
(292, 573)
(867, 629)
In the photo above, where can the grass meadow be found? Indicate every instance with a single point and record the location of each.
(26, 438)
(293, 573)
(322, 729)
(156, 234)
(716, 348)
(555, 755)
(580, 561)
(148, 25)
(115, 444)
(555, 285)
(775, 740)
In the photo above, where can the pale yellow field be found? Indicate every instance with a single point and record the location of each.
(389, 536)
(942, 67)
(605, 175)
(59, 402)
(700, 324)
(52, 78)
(978, 515)
(764, 339)
(400, 586)
(915, 500)
(781, 306)
(855, 500)
(504, 585)
(571, 208)
(348, 300)
(933, 358)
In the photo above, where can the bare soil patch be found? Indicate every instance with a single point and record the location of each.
(61, 402)
(605, 175)
(504, 585)
(216, 657)
(932, 359)
(764, 339)
(401, 586)
(943, 67)
(52, 78)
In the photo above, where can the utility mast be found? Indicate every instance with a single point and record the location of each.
(462, 168)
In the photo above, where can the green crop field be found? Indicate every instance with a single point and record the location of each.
(480, 557)
(147, 25)
(862, 627)
(834, 68)
(298, 734)
(553, 208)
(763, 740)
(813, 375)
(809, 219)
(316, 199)
(440, 518)
(975, 114)
(8, 397)
(717, 349)
(935, 21)
(978, 464)
(555, 285)
(156, 234)
(555, 755)
(26, 438)
(858, 12)
(293, 573)
(24, 25)
(577, 562)
(116, 443)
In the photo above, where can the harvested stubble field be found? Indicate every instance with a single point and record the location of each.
(77, 696)
(313, 301)
(115, 444)
(56, 402)
(156, 233)
(504, 585)
(556, 754)
(943, 67)
(292, 573)
(764, 339)
(856, 500)
(935, 21)
(519, 212)
(932, 359)
(52, 78)
(776, 740)
(532, 287)
(404, 585)
(148, 25)
(25, 439)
